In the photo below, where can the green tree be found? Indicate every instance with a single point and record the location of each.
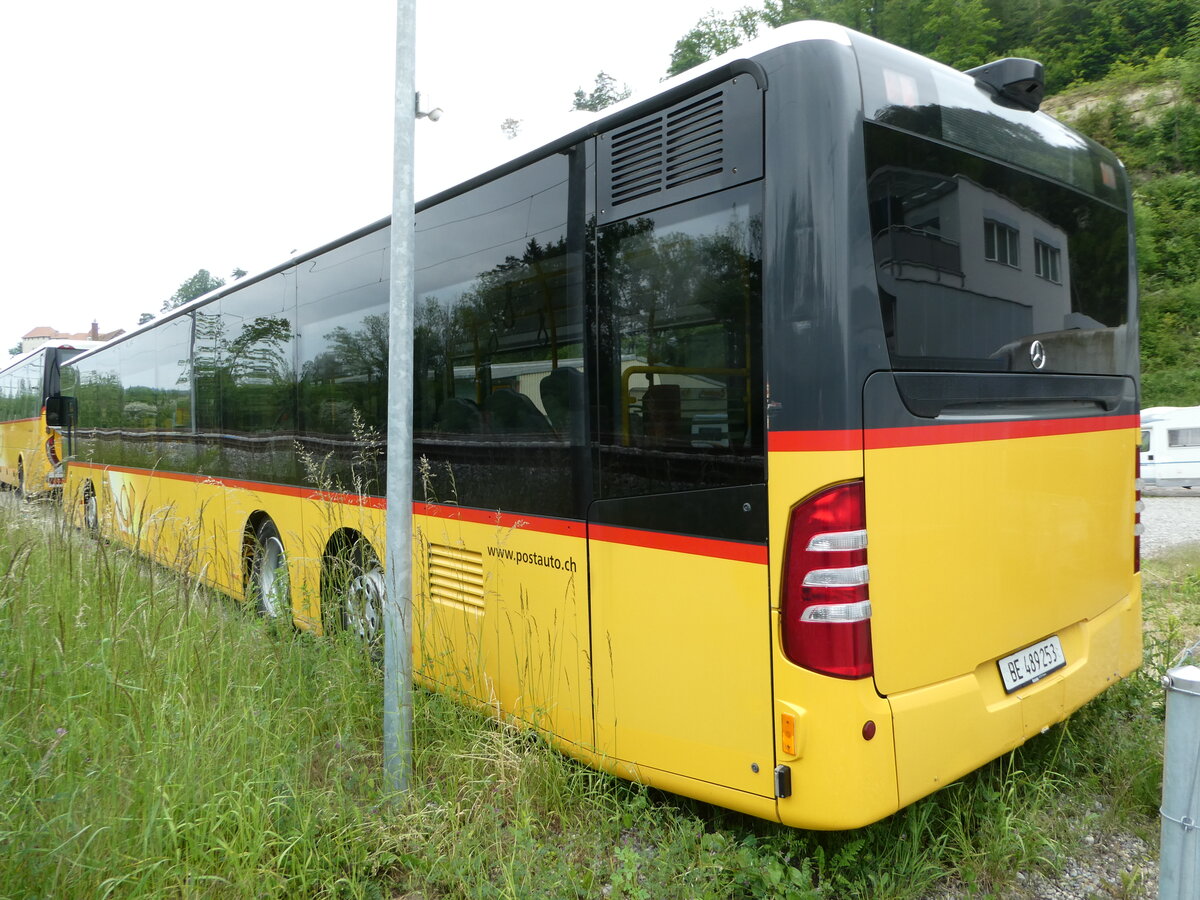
(714, 35)
(196, 286)
(604, 94)
(145, 317)
(960, 31)
(15, 350)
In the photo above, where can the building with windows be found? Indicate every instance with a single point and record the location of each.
(44, 334)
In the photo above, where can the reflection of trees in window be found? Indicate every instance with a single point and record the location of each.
(348, 379)
(485, 354)
(244, 382)
(684, 302)
(499, 400)
(257, 355)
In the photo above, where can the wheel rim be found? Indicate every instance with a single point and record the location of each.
(272, 576)
(91, 512)
(364, 606)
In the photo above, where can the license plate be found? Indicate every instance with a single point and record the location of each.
(1031, 664)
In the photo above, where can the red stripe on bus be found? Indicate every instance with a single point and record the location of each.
(19, 421)
(791, 441)
(921, 435)
(929, 435)
(679, 543)
(540, 524)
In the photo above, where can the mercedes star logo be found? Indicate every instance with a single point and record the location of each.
(1037, 354)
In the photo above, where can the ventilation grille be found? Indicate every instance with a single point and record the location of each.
(669, 150)
(456, 576)
(702, 144)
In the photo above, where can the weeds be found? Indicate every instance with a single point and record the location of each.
(156, 741)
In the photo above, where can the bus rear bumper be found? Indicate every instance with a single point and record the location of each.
(987, 722)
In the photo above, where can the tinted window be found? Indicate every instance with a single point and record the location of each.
(681, 348)
(253, 347)
(910, 92)
(342, 314)
(139, 399)
(97, 388)
(21, 390)
(977, 261)
(173, 397)
(499, 342)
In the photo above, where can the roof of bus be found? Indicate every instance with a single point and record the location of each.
(585, 126)
(736, 61)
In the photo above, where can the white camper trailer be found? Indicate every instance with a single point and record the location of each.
(1171, 446)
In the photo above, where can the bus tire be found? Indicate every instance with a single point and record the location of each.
(91, 511)
(268, 586)
(354, 591)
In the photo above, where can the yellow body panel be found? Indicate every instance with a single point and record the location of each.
(501, 615)
(963, 567)
(978, 549)
(199, 525)
(949, 729)
(23, 448)
(682, 664)
(666, 666)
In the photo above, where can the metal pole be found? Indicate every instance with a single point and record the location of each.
(1179, 856)
(397, 606)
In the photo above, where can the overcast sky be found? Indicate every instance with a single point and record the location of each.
(142, 140)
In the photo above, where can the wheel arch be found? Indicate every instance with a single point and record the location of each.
(249, 538)
(337, 547)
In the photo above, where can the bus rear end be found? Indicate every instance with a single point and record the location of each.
(954, 503)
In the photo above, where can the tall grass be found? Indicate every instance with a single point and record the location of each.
(155, 741)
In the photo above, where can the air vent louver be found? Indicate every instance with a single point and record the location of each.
(456, 576)
(705, 143)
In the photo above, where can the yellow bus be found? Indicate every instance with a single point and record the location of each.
(775, 435)
(31, 419)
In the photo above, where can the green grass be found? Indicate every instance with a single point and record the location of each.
(157, 742)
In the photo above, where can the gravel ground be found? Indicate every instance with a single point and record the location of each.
(1171, 516)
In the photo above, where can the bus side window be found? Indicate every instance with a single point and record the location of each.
(680, 404)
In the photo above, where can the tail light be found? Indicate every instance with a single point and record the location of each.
(1137, 509)
(52, 451)
(826, 606)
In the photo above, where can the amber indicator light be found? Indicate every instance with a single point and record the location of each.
(787, 728)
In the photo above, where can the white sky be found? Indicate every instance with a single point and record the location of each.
(142, 140)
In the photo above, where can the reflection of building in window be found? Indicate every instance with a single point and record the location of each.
(1001, 243)
(1046, 261)
(1183, 437)
(943, 296)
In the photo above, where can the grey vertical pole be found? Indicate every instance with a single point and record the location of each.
(397, 606)
(1179, 857)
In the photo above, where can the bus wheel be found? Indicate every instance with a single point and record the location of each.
(269, 587)
(355, 591)
(91, 511)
